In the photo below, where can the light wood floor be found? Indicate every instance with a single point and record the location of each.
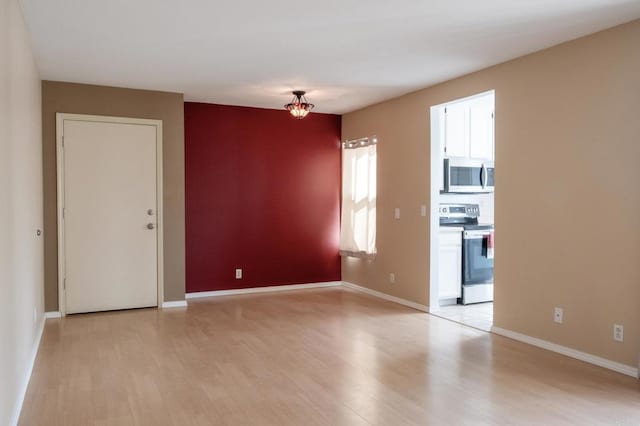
(314, 357)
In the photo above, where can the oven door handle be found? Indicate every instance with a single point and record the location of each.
(475, 235)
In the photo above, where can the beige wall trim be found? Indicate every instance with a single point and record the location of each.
(25, 381)
(572, 353)
(175, 304)
(269, 289)
(53, 314)
(384, 296)
(60, 118)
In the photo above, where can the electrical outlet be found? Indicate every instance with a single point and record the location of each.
(238, 274)
(423, 210)
(618, 332)
(558, 314)
(396, 213)
(392, 278)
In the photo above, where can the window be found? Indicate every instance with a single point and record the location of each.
(358, 226)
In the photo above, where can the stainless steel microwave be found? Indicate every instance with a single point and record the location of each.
(464, 175)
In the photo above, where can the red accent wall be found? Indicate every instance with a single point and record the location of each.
(262, 194)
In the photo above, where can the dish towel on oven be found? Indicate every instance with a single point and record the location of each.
(490, 242)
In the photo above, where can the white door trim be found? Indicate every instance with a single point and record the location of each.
(60, 118)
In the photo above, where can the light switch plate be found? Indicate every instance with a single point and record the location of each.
(396, 213)
(423, 210)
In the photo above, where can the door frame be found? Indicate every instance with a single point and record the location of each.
(60, 118)
(437, 140)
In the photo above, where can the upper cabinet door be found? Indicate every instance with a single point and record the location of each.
(457, 130)
(469, 129)
(481, 131)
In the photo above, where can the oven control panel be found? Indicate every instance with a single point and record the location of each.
(459, 210)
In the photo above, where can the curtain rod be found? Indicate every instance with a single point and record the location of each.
(359, 143)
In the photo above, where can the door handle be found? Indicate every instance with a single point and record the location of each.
(150, 226)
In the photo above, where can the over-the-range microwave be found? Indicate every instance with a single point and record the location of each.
(465, 175)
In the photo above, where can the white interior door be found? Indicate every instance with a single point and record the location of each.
(110, 215)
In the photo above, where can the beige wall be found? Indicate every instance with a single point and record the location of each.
(99, 100)
(21, 250)
(568, 145)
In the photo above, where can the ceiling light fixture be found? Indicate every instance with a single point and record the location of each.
(299, 107)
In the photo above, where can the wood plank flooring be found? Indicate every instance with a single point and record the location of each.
(312, 357)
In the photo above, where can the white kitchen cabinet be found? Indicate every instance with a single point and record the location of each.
(450, 264)
(481, 131)
(469, 128)
(456, 137)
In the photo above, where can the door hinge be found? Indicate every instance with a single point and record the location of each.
(63, 141)
(63, 212)
(64, 283)
(445, 111)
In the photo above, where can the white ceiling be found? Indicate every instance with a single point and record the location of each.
(346, 53)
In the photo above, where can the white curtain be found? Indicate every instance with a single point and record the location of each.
(358, 226)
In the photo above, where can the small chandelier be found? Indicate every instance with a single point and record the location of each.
(299, 107)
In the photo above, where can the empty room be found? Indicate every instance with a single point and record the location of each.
(330, 213)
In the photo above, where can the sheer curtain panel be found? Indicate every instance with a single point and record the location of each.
(358, 226)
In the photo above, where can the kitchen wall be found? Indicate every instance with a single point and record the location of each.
(263, 195)
(21, 249)
(566, 200)
(112, 101)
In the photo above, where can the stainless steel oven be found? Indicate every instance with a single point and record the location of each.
(477, 266)
(464, 175)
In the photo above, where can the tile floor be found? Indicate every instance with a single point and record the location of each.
(479, 315)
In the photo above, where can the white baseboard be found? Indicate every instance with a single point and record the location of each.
(53, 314)
(385, 296)
(175, 304)
(25, 382)
(286, 287)
(572, 353)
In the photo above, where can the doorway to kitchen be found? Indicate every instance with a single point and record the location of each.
(462, 205)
